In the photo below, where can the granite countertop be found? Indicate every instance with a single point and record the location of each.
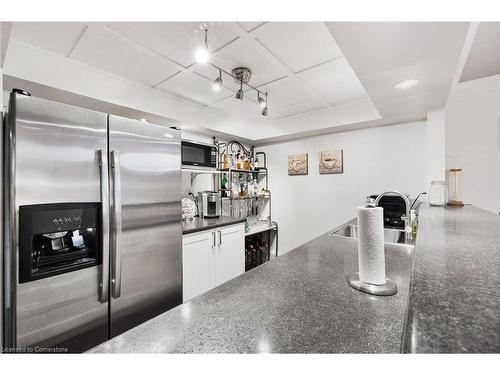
(455, 292)
(301, 303)
(197, 224)
(298, 303)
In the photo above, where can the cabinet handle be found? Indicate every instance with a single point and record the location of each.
(213, 239)
(220, 238)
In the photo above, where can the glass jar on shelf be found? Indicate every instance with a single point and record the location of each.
(256, 164)
(238, 161)
(246, 164)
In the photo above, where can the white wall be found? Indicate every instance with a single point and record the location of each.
(473, 141)
(392, 157)
(436, 150)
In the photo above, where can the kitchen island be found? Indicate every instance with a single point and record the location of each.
(301, 303)
(298, 303)
(455, 295)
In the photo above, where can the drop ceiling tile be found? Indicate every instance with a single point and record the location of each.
(176, 40)
(299, 45)
(286, 92)
(58, 37)
(335, 81)
(193, 87)
(250, 26)
(241, 54)
(120, 56)
(305, 107)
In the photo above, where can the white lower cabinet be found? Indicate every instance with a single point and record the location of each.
(211, 257)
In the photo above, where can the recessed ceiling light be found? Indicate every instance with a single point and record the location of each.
(407, 83)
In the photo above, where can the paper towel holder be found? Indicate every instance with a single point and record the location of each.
(388, 289)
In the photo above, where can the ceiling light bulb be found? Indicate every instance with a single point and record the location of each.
(217, 85)
(407, 83)
(264, 111)
(202, 55)
(262, 102)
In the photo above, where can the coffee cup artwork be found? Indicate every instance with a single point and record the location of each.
(331, 162)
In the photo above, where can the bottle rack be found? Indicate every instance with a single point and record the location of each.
(257, 252)
(254, 205)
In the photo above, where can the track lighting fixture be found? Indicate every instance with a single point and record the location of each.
(202, 55)
(239, 93)
(240, 74)
(262, 102)
(263, 105)
(217, 85)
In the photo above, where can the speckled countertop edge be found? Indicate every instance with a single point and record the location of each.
(454, 304)
(198, 225)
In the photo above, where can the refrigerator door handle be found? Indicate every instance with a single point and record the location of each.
(116, 268)
(103, 173)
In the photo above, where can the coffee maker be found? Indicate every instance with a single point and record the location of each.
(208, 204)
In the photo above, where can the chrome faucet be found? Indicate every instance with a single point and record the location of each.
(407, 203)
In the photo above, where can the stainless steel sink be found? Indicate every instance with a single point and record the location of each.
(392, 236)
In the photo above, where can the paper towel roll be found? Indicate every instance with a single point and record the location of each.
(371, 255)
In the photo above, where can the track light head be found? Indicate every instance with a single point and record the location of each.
(264, 111)
(262, 102)
(239, 93)
(217, 85)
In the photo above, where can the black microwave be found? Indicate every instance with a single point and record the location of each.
(196, 155)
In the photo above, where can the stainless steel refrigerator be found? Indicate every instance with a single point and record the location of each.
(92, 224)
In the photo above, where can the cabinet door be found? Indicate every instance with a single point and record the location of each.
(230, 256)
(198, 264)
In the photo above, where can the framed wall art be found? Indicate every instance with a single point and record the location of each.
(331, 162)
(297, 164)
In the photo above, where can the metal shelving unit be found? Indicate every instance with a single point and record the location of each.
(261, 176)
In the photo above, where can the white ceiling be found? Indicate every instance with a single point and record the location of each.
(319, 76)
(385, 53)
(484, 57)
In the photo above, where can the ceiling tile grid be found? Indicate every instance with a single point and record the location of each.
(299, 45)
(176, 40)
(192, 86)
(111, 52)
(298, 63)
(335, 81)
(57, 37)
